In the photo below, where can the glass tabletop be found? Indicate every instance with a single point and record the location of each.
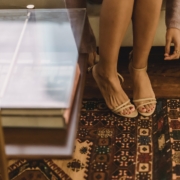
(38, 65)
(38, 57)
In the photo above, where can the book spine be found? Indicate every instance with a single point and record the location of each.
(33, 121)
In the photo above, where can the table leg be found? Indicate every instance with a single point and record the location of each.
(3, 160)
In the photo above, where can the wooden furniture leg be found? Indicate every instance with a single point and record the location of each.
(3, 160)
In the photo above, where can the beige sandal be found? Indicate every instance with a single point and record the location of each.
(144, 101)
(118, 110)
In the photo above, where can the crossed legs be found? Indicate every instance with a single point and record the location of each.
(114, 20)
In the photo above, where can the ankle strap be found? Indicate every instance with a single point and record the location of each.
(131, 63)
(120, 77)
(138, 69)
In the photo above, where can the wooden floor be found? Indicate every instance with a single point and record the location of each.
(164, 75)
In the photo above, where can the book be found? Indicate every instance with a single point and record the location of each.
(67, 112)
(40, 118)
(38, 65)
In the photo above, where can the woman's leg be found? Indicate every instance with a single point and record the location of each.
(145, 19)
(114, 20)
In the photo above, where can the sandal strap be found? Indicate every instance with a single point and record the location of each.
(131, 63)
(146, 104)
(89, 69)
(122, 107)
(127, 106)
(152, 100)
(137, 69)
(144, 99)
(120, 77)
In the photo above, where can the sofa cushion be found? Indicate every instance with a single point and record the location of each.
(100, 2)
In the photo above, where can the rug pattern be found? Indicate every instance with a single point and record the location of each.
(174, 129)
(115, 148)
(53, 169)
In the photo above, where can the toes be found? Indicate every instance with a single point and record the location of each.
(132, 108)
(125, 112)
(128, 111)
(151, 107)
(142, 109)
(147, 108)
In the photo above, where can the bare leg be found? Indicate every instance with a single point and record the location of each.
(114, 20)
(145, 19)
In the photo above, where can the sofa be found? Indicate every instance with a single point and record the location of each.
(93, 11)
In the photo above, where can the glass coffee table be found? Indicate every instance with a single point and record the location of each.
(36, 47)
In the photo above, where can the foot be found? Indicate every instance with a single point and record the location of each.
(142, 89)
(109, 85)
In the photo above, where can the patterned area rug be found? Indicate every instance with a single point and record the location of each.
(109, 147)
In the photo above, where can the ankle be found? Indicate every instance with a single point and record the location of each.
(105, 71)
(136, 68)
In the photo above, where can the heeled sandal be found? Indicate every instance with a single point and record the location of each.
(144, 101)
(119, 109)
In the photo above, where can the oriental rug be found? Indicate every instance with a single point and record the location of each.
(109, 147)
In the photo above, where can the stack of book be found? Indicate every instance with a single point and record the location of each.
(52, 113)
(39, 72)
